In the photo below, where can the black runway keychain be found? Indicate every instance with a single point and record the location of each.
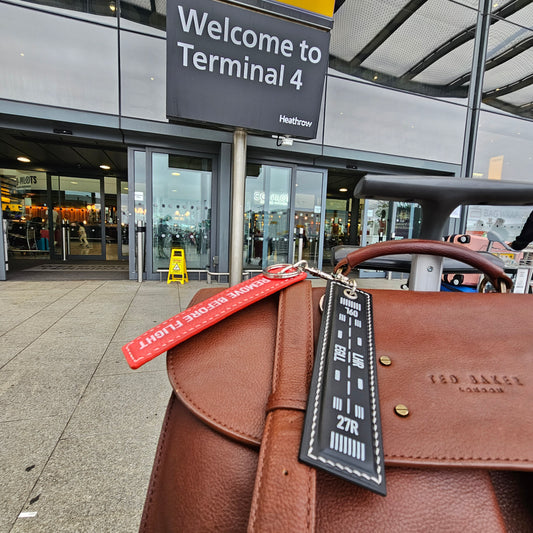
(342, 431)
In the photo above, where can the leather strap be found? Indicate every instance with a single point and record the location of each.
(284, 492)
(421, 246)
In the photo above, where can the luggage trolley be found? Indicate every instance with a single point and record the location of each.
(519, 265)
(438, 197)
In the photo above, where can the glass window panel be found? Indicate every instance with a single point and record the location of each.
(181, 209)
(392, 122)
(308, 213)
(503, 149)
(505, 222)
(140, 186)
(143, 76)
(110, 185)
(146, 12)
(266, 217)
(105, 8)
(377, 214)
(25, 208)
(61, 62)
(124, 219)
(337, 213)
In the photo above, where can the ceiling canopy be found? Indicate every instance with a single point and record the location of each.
(427, 46)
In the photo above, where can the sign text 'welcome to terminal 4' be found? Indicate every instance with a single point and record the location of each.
(233, 66)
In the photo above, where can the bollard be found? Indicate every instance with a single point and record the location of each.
(64, 234)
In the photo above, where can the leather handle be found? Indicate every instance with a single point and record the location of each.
(425, 247)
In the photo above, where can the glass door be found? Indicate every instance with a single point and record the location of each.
(181, 194)
(405, 220)
(267, 217)
(283, 208)
(123, 222)
(76, 218)
(376, 221)
(309, 191)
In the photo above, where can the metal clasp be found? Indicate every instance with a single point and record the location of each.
(283, 271)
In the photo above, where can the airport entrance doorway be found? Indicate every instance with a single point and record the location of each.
(50, 217)
(89, 218)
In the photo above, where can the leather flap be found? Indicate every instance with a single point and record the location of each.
(462, 364)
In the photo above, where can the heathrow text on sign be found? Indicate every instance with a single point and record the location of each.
(233, 66)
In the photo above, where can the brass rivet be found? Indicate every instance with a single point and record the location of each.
(385, 360)
(401, 410)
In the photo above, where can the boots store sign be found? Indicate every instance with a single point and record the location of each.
(233, 66)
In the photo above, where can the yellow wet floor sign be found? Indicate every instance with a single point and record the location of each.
(177, 270)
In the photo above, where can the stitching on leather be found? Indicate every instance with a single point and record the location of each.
(447, 458)
(259, 479)
(310, 341)
(156, 470)
(282, 399)
(310, 500)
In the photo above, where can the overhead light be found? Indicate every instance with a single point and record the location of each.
(105, 167)
(176, 174)
(23, 159)
(343, 189)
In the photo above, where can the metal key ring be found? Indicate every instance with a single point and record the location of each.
(287, 271)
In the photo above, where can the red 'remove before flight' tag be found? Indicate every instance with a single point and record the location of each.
(201, 316)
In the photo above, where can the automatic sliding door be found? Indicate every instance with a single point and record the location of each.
(77, 217)
(181, 209)
(267, 238)
(309, 214)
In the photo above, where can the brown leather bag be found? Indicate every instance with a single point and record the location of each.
(462, 459)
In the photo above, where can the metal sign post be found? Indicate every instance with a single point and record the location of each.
(238, 180)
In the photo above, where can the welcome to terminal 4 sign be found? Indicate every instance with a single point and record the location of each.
(233, 66)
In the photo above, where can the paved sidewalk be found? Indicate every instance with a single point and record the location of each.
(78, 427)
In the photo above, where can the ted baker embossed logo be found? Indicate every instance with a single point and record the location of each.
(478, 383)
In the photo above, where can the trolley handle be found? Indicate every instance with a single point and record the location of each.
(426, 247)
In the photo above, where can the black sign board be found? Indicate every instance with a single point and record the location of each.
(233, 66)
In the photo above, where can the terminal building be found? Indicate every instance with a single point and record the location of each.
(89, 154)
